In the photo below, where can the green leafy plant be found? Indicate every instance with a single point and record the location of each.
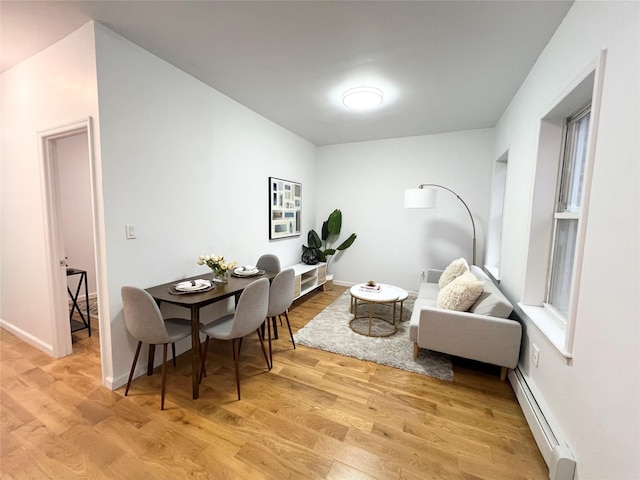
(323, 247)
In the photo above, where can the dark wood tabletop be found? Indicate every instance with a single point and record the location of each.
(232, 288)
(194, 302)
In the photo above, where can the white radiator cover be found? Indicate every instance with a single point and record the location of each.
(554, 450)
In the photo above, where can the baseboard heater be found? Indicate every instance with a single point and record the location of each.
(554, 450)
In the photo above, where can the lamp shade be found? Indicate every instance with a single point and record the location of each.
(420, 198)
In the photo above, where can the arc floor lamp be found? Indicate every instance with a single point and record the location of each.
(422, 197)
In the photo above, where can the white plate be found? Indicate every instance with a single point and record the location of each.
(193, 286)
(246, 273)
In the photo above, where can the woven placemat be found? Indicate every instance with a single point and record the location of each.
(259, 272)
(173, 291)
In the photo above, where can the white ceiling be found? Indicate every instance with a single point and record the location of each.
(444, 65)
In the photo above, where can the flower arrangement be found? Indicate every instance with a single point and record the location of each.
(217, 265)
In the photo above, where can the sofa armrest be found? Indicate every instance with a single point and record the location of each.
(477, 337)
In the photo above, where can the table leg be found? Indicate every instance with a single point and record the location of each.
(86, 297)
(370, 316)
(195, 351)
(150, 359)
(74, 300)
(394, 312)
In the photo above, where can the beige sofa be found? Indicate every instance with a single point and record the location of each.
(483, 333)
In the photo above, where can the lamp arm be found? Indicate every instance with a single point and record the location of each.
(473, 224)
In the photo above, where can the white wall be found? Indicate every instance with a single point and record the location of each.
(72, 157)
(596, 399)
(367, 181)
(189, 167)
(53, 88)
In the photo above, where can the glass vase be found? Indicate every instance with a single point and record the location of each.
(219, 276)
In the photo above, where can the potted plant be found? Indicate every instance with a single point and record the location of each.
(321, 249)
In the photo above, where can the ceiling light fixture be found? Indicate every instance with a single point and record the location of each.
(363, 98)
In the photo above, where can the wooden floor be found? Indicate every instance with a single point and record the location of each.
(315, 415)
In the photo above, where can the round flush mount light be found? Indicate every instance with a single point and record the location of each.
(363, 98)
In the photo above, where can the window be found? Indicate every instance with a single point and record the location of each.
(494, 227)
(567, 213)
(560, 205)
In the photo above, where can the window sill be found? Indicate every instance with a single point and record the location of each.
(494, 273)
(550, 326)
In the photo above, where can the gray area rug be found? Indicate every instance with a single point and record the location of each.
(93, 307)
(330, 331)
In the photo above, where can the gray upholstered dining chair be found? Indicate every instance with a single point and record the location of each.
(269, 263)
(280, 299)
(144, 321)
(251, 310)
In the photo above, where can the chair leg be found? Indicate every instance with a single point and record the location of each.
(173, 351)
(233, 349)
(203, 356)
(133, 367)
(264, 352)
(268, 322)
(236, 354)
(263, 326)
(286, 316)
(164, 375)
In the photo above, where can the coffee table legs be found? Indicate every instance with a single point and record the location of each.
(371, 318)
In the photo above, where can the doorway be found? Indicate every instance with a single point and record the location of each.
(68, 177)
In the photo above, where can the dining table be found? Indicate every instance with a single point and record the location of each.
(194, 301)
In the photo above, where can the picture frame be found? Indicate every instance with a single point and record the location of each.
(285, 208)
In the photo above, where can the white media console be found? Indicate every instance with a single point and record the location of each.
(308, 277)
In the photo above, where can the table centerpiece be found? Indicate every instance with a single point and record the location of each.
(219, 267)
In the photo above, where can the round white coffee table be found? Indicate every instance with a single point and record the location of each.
(379, 294)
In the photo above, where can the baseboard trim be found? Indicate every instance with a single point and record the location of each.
(81, 298)
(28, 338)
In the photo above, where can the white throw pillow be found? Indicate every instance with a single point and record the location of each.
(453, 271)
(461, 293)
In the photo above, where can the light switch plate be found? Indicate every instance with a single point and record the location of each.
(130, 231)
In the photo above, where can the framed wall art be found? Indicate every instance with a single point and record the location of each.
(285, 208)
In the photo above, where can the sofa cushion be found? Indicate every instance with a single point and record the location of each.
(429, 291)
(461, 293)
(491, 301)
(453, 271)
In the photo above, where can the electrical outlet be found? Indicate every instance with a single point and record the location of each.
(535, 354)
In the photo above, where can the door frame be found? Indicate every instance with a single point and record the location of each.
(56, 266)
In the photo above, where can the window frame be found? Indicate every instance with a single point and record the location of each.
(585, 88)
(495, 223)
(562, 211)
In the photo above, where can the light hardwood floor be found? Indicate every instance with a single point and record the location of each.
(315, 415)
